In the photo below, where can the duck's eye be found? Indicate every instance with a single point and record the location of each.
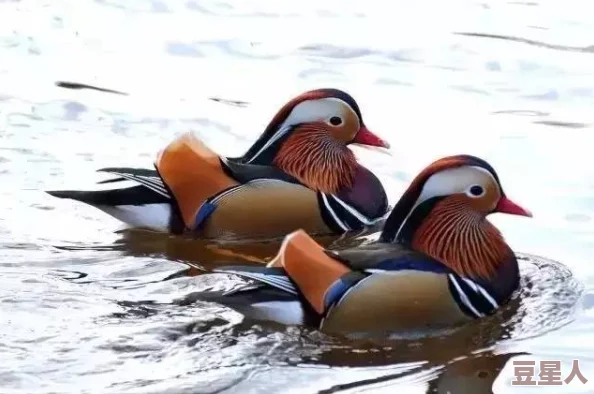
(335, 121)
(476, 191)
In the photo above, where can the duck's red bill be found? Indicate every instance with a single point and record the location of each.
(366, 137)
(506, 205)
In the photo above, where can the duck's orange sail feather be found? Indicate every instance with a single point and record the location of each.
(310, 267)
(193, 173)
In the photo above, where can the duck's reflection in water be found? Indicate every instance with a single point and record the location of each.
(212, 253)
(474, 374)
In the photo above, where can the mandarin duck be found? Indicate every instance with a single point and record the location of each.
(437, 262)
(299, 173)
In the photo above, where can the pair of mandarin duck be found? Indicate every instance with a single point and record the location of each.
(438, 260)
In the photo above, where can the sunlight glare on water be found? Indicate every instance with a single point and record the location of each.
(84, 307)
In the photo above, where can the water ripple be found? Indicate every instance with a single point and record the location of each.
(585, 49)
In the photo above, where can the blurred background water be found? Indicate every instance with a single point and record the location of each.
(84, 307)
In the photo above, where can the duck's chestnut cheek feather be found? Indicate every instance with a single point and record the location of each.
(505, 205)
(366, 137)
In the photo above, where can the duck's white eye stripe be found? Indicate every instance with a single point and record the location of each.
(456, 180)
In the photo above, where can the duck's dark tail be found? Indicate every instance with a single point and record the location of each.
(151, 189)
(148, 204)
(136, 206)
(135, 195)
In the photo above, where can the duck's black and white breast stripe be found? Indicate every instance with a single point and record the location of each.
(362, 205)
(342, 216)
(472, 298)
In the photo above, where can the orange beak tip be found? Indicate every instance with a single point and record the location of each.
(506, 205)
(365, 137)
